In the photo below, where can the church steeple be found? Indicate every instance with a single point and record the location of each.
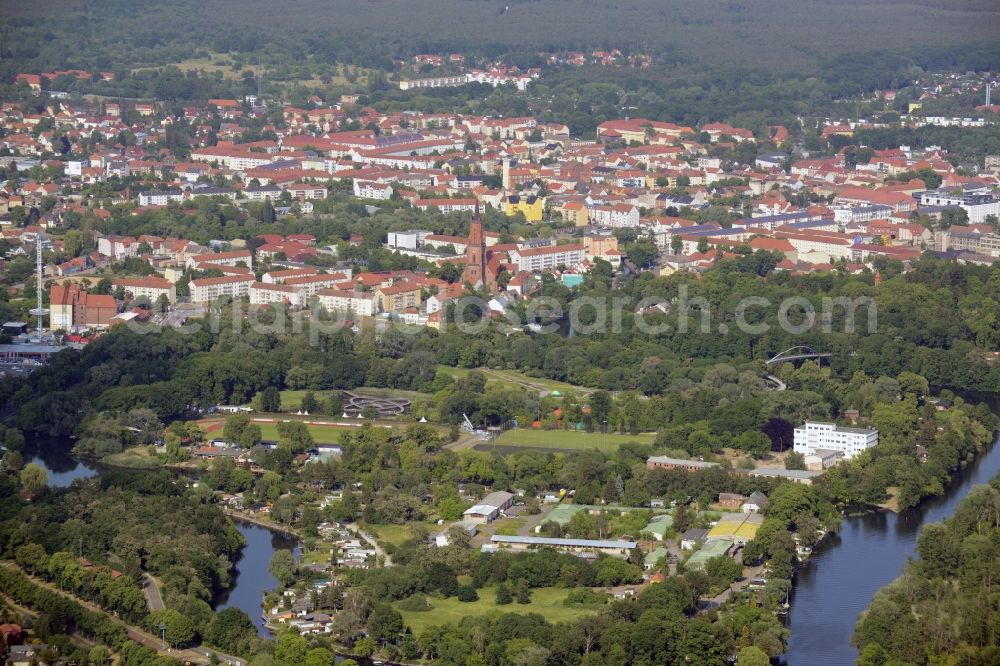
(475, 254)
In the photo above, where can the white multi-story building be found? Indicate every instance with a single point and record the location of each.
(262, 192)
(310, 284)
(205, 290)
(407, 240)
(150, 287)
(813, 436)
(543, 258)
(238, 160)
(222, 259)
(977, 204)
(262, 293)
(305, 192)
(159, 197)
(367, 189)
(358, 303)
(118, 247)
(618, 215)
(448, 205)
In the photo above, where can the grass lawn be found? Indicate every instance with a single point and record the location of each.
(292, 399)
(569, 439)
(508, 526)
(546, 601)
(136, 458)
(322, 434)
(515, 377)
(396, 534)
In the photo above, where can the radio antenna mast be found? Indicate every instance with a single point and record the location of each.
(39, 311)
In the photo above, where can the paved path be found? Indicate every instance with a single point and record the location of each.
(721, 598)
(152, 593)
(466, 440)
(386, 559)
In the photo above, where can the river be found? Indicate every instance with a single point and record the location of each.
(830, 592)
(251, 577)
(58, 462)
(845, 572)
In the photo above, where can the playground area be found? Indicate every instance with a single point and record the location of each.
(355, 403)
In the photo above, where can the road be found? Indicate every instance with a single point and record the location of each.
(152, 593)
(466, 440)
(386, 559)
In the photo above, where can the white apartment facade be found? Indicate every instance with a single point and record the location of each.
(262, 293)
(151, 288)
(262, 192)
(367, 189)
(205, 290)
(222, 259)
(813, 436)
(544, 258)
(618, 215)
(232, 159)
(362, 304)
(310, 284)
(978, 205)
(159, 198)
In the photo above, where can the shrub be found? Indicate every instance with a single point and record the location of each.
(418, 603)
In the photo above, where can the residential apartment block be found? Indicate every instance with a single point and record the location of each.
(149, 287)
(814, 436)
(542, 258)
(222, 258)
(205, 290)
(359, 303)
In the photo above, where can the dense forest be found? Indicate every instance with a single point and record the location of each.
(798, 34)
(943, 609)
(810, 67)
(131, 523)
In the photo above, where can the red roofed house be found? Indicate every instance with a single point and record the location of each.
(74, 309)
(900, 202)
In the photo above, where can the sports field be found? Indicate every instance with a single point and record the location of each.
(569, 440)
(546, 601)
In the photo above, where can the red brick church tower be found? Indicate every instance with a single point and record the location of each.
(476, 273)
